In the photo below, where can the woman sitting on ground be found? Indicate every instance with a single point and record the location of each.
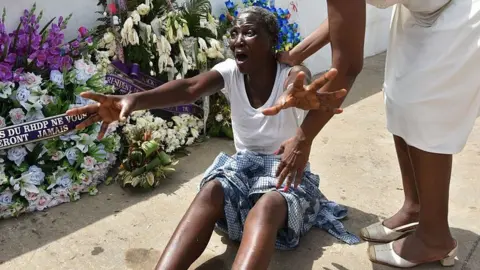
(240, 193)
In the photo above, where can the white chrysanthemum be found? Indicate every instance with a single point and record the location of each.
(108, 37)
(143, 9)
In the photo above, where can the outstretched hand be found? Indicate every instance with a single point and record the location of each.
(307, 97)
(108, 109)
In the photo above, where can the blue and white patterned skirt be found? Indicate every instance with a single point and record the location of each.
(245, 176)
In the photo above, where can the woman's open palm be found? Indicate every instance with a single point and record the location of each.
(108, 109)
(307, 97)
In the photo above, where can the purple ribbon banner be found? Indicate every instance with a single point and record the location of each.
(133, 71)
(123, 85)
(131, 80)
(38, 130)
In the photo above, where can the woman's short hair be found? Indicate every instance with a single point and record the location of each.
(267, 18)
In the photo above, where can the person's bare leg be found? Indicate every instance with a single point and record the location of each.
(195, 229)
(432, 240)
(411, 206)
(258, 242)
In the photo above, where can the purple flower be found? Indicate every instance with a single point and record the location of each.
(67, 62)
(11, 58)
(83, 31)
(41, 56)
(75, 44)
(5, 72)
(54, 61)
(17, 76)
(54, 51)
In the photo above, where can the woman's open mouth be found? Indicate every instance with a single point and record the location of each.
(241, 57)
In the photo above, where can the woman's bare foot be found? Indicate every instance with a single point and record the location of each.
(415, 249)
(404, 216)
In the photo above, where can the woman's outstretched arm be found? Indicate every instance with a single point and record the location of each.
(179, 92)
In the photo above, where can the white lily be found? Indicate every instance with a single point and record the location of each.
(185, 30)
(133, 37)
(162, 62)
(135, 17)
(202, 44)
(176, 24)
(170, 36)
(213, 53)
(149, 32)
(201, 57)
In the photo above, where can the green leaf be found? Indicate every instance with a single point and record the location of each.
(139, 171)
(80, 157)
(47, 25)
(164, 158)
(150, 179)
(227, 130)
(81, 88)
(136, 180)
(22, 168)
(150, 147)
(168, 169)
(153, 164)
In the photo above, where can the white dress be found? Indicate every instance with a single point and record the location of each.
(432, 73)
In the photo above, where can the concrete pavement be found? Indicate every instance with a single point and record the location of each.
(120, 229)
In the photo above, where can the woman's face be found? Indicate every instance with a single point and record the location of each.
(250, 43)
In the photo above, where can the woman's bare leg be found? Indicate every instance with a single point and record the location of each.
(258, 242)
(195, 229)
(411, 206)
(432, 239)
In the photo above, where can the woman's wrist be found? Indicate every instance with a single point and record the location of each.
(301, 137)
(135, 100)
(293, 58)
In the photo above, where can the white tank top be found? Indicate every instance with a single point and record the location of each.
(251, 129)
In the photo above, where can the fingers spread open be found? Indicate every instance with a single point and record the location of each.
(324, 79)
(299, 79)
(330, 109)
(274, 110)
(330, 96)
(88, 109)
(102, 131)
(94, 96)
(89, 121)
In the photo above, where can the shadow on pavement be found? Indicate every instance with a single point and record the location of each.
(368, 82)
(310, 249)
(31, 231)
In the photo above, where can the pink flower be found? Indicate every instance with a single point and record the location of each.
(83, 31)
(32, 196)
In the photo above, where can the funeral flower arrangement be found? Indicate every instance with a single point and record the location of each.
(167, 40)
(152, 142)
(219, 121)
(40, 77)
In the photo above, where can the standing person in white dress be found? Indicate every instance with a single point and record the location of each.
(432, 98)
